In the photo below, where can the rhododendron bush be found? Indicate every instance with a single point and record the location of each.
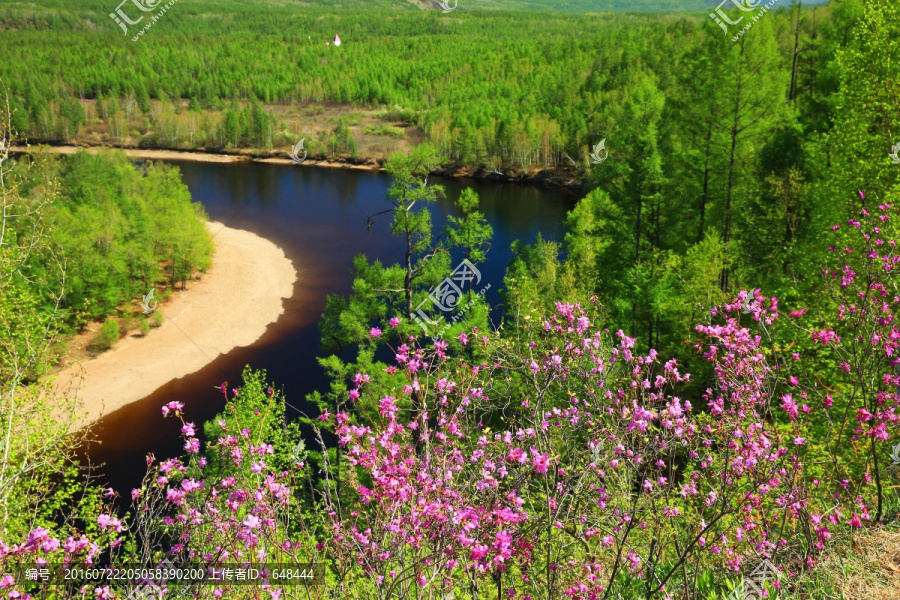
(562, 463)
(555, 461)
(862, 333)
(237, 504)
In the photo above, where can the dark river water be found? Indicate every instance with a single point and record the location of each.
(318, 217)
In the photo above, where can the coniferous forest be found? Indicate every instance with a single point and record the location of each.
(697, 381)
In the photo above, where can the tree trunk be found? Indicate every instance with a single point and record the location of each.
(793, 93)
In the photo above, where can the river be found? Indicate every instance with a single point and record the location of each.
(318, 217)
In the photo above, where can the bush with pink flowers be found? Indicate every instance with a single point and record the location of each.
(555, 462)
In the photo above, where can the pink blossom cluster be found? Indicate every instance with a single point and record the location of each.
(865, 340)
(558, 459)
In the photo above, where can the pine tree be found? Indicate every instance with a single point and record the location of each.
(471, 232)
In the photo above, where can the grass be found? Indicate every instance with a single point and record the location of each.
(866, 567)
(388, 130)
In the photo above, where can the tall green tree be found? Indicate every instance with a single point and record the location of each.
(470, 231)
(867, 113)
(382, 291)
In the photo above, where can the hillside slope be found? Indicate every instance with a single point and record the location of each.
(41, 13)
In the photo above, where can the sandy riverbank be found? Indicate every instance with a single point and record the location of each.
(551, 178)
(190, 155)
(231, 306)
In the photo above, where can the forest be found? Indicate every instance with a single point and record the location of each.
(700, 376)
(550, 87)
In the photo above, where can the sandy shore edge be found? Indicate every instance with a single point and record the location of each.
(231, 306)
(551, 179)
(192, 156)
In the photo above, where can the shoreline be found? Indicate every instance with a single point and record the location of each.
(231, 306)
(554, 179)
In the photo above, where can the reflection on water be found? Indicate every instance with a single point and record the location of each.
(318, 217)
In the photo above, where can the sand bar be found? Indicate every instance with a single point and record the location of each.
(192, 156)
(231, 306)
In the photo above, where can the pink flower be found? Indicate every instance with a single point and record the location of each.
(171, 406)
(540, 462)
(395, 322)
(374, 333)
(788, 404)
(463, 339)
(251, 522)
(188, 430)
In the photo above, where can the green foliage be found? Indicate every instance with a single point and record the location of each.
(866, 110)
(260, 410)
(381, 292)
(531, 280)
(382, 129)
(342, 140)
(470, 231)
(107, 335)
(116, 224)
(40, 479)
(560, 94)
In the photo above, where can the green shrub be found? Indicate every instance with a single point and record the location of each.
(384, 130)
(144, 327)
(107, 336)
(127, 323)
(397, 113)
(158, 319)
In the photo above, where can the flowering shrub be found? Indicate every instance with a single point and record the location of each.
(557, 464)
(864, 338)
(236, 504)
